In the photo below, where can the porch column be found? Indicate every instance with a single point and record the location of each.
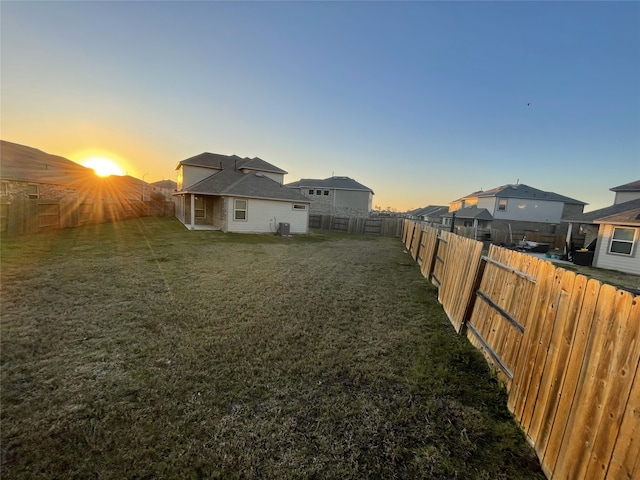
(193, 210)
(567, 241)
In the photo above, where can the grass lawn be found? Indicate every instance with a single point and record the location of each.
(142, 350)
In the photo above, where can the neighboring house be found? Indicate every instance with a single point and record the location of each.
(615, 230)
(335, 195)
(430, 213)
(29, 173)
(515, 207)
(234, 194)
(626, 192)
(618, 238)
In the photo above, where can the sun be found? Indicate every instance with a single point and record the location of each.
(103, 166)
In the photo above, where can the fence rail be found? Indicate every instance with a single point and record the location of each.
(27, 216)
(566, 348)
(388, 227)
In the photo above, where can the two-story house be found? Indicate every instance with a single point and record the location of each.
(234, 194)
(514, 207)
(335, 195)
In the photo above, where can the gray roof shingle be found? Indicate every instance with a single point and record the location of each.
(627, 187)
(235, 183)
(521, 190)
(226, 162)
(471, 213)
(618, 208)
(336, 183)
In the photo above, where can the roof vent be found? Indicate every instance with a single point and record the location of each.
(259, 175)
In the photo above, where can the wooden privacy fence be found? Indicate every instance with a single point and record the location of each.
(566, 348)
(27, 216)
(384, 226)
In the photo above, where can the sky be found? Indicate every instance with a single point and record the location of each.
(423, 102)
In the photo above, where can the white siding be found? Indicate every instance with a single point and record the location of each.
(263, 216)
(622, 197)
(191, 175)
(613, 261)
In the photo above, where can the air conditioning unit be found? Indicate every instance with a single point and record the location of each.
(283, 229)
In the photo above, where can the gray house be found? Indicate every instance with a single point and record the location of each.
(613, 231)
(335, 195)
(517, 207)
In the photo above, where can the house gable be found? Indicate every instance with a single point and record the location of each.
(626, 192)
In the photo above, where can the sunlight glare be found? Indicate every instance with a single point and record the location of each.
(103, 166)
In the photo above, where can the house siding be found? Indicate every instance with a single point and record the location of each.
(622, 263)
(263, 216)
(622, 197)
(190, 174)
(526, 210)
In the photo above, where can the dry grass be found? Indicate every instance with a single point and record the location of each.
(142, 350)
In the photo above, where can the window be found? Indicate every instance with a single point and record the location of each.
(326, 192)
(3, 188)
(310, 192)
(318, 192)
(32, 191)
(200, 207)
(299, 206)
(502, 204)
(622, 240)
(240, 210)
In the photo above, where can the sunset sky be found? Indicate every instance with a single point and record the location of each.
(423, 102)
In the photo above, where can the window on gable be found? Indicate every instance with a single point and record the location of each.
(200, 207)
(240, 210)
(32, 190)
(622, 240)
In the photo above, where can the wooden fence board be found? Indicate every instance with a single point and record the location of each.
(529, 343)
(626, 455)
(430, 240)
(586, 415)
(553, 379)
(571, 377)
(544, 374)
(562, 279)
(623, 358)
(567, 348)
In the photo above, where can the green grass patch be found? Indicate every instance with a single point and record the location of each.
(142, 350)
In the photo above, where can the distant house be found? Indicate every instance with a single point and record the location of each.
(335, 195)
(626, 192)
(40, 191)
(234, 194)
(30, 173)
(614, 231)
(514, 207)
(430, 213)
